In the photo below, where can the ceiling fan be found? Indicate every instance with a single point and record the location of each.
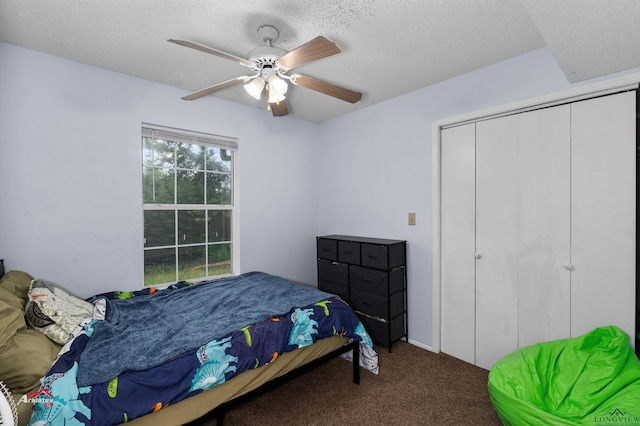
(270, 66)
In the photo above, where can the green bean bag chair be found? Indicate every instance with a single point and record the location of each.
(592, 379)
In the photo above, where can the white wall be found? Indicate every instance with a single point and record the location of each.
(70, 173)
(376, 163)
(70, 178)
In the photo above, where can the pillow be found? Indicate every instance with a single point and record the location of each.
(25, 354)
(54, 312)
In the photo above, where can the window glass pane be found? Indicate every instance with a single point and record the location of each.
(219, 259)
(191, 226)
(190, 156)
(218, 188)
(219, 225)
(192, 262)
(159, 228)
(157, 185)
(190, 187)
(164, 181)
(147, 185)
(159, 266)
(158, 152)
(218, 159)
(165, 153)
(147, 152)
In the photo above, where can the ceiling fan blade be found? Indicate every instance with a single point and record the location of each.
(215, 88)
(212, 51)
(278, 109)
(313, 50)
(327, 88)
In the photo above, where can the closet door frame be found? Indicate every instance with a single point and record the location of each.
(611, 86)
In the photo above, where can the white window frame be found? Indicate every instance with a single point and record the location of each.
(191, 137)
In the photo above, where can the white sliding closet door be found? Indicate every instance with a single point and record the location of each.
(496, 239)
(458, 220)
(544, 238)
(538, 227)
(603, 213)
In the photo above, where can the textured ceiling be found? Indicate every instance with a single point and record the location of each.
(589, 38)
(388, 47)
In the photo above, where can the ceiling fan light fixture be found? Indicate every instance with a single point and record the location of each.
(275, 97)
(254, 87)
(277, 85)
(277, 88)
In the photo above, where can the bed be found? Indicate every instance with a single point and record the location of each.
(95, 378)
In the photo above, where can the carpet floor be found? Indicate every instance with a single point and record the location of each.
(414, 387)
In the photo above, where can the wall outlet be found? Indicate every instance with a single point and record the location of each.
(412, 218)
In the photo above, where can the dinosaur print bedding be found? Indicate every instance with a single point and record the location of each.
(63, 400)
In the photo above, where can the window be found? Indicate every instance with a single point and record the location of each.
(188, 204)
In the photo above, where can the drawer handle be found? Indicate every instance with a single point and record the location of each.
(366, 281)
(348, 252)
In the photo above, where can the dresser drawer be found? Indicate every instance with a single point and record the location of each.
(327, 249)
(334, 272)
(383, 256)
(379, 330)
(375, 256)
(339, 290)
(375, 305)
(349, 252)
(375, 281)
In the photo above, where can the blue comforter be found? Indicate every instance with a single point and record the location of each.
(63, 400)
(140, 333)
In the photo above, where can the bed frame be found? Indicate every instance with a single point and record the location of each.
(215, 402)
(219, 412)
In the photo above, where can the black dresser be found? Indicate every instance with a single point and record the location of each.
(371, 275)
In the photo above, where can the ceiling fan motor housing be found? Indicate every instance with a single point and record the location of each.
(266, 57)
